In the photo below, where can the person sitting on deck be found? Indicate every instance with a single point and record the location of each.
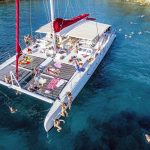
(57, 124)
(42, 81)
(37, 75)
(29, 51)
(64, 110)
(7, 79)
(69, 97)
(32, 88)
(79, 65)
(72, 59)
(12, 110)
(52, 71)
(26, 60)
(27, 40)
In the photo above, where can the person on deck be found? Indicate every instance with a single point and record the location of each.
(33, 87)
(57, 124)
(37, 75)
(27, 40)
(52, 71)
(69, 97)
(79, 65)
(64, 110)
(7, 79)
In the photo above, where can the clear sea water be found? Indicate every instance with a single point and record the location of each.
(112, 112)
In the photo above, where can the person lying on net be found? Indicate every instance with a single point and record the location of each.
(53, 71)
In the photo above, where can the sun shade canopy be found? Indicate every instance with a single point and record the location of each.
(86, 29)
(47, 28)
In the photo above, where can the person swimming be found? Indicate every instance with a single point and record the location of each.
(64, 110)
(147, 138)
(57, 124)
(69, 97)
(12, 110)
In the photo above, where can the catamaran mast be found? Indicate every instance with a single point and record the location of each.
(17, 37)
(52, 20)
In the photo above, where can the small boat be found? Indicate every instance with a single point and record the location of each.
(62, 60)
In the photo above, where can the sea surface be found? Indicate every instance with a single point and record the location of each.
(112, 112)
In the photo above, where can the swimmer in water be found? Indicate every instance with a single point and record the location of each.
(12, 110)
(147, 138)
(57, 124)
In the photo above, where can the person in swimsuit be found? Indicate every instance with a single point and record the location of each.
(147, 138)
(57, 124)
(7, 79)
(27, 40)
(69, 97)
(64, 110)
(53, 71)
(12, 110)
(37, 76)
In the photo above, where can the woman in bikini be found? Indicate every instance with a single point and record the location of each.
(53, 71)
(69, 97)
(64, 110)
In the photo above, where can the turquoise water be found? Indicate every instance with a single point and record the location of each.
(112, 112)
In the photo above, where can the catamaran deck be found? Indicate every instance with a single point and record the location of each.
(60, 62)
(66, 71)
(79, 51)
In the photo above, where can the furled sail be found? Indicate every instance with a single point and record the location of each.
(60, 23)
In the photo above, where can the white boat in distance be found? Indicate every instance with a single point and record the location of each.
(62, 61)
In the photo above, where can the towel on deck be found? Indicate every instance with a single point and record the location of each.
(42, 80)
(52, 84)
(58, 65)
(61, 82)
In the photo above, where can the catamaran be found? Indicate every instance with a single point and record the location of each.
(58, 63)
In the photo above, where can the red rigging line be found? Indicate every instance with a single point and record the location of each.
(18, 49)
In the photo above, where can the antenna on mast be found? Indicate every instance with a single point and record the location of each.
(52, 20)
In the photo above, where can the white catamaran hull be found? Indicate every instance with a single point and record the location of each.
(76, 85)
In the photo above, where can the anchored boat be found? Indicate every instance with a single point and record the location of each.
(60, 62)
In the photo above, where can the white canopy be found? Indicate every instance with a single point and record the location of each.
(45, 29)
(83, 30)
(88, 30)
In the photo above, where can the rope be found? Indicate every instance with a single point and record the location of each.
(31, 18)
(66, 9)
(47, 10)
(73, 11)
